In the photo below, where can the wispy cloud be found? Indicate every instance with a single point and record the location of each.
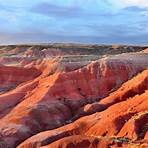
(70, 11)
(55, 10)
(128, 3)
(134, 9)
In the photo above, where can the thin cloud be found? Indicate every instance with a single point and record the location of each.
(55, 10)
(73, 11)
(135, 9)
(120, 4)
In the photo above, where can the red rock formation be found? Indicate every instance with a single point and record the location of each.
(114, 121)
(137, 125)
(81, 141)
(54, 97)
(135, 86)
(95, 125)
(12, 76)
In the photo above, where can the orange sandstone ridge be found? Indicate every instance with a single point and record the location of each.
(74, 101)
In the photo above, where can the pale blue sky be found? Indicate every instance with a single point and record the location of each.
(83, 21)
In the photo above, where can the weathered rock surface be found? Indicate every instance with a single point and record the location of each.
(52, 93)
(20, 54)
(10, 77)
(125, 121)
(135, 86)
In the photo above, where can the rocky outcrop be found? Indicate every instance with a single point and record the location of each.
(53, 98)
(42, 95)
(122, 124)
(43, 50)
(10, 76)
(135, 86)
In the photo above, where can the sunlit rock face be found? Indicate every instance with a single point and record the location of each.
(111, 126)
(73, 99)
